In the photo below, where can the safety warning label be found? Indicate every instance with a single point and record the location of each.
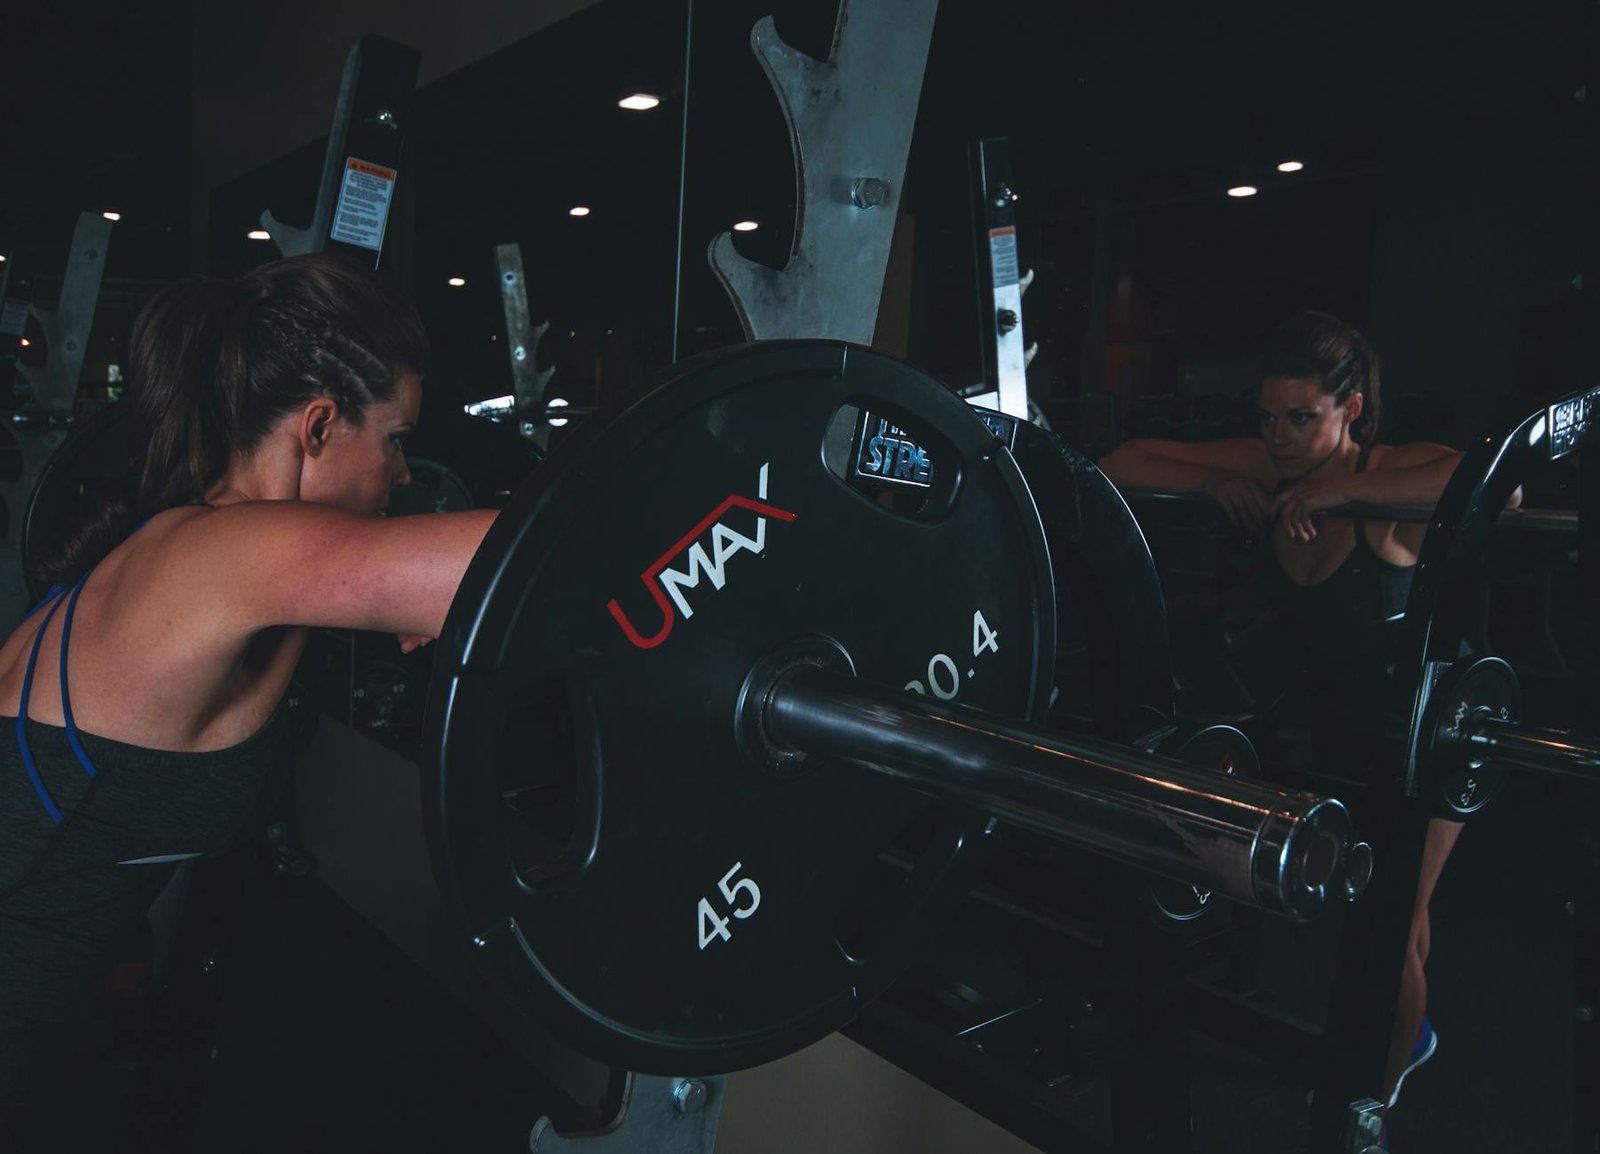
(363, 208)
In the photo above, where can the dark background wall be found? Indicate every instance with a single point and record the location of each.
(1441, 207)
(95, 115)
(265, 74)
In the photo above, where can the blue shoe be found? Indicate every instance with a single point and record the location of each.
(1427, 1042)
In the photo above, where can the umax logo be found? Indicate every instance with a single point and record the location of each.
(666, 585)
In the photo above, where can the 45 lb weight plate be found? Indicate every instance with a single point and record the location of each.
(627, 872)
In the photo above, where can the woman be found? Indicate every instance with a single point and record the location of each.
(1338, 583)
(268, 419)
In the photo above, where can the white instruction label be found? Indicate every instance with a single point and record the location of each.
(1003, 256)
(14, 317)
(363, 204)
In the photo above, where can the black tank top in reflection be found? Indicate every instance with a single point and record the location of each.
(1338, 649)
(1363, 589)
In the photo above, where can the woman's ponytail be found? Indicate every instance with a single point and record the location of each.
(176, 428)
(216, 364)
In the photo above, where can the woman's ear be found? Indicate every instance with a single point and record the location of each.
(1353, 406)
(315, 426)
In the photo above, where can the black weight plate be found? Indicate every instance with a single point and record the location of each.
(1219, 749)
(633, 882)
(1104, 574)
(1485, 685)
(434, 488)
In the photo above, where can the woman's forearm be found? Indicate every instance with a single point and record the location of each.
(1413, 485)
(1141, 465)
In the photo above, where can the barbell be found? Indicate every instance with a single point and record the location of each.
(1463, 718)
(733, 650)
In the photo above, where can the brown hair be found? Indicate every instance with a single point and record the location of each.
(1313, 344)
(215, 364)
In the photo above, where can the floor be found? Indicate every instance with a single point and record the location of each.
(1500, 998)
(323, 1037)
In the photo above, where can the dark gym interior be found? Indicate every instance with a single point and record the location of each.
(1181, 179)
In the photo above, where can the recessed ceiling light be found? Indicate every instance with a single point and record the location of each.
(109, 215)
(746, 226)
(578, 210)
(639, 102)
(457, 282)
(258, 234)
(1242, 190)
(1290, 166)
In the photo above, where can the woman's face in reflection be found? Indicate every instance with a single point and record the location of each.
(1301, 425)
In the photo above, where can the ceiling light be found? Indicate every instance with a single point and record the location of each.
(746, 226)
(26, 342)
(578, 210)
(457, 282)
(258, 234)
(2, 258)
(109, 215)
(639, 102)
(1290, 166)
(1242, 190)
(555, 403)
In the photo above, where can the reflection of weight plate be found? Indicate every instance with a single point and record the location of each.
(383, 700)
(90, 465)
(1107, 587)
(1221, 749)
(303, 715)
(624, 873)
(1485, 686)
(433, 489)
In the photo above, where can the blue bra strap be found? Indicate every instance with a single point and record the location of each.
(66, 701)
(54, 592)
(22, 715)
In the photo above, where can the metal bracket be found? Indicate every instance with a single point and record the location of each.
(1363, 1125)
(658, 1116)
(850, 119)
(522, 343)
(66, 328)
(1005, 355)
(369, 122)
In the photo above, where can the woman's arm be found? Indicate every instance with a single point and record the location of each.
(1416, 469)
(1413, 474)
(294, 563)
(1185, 467)
(1410, 475)
(1404, 475)
(1234, 473)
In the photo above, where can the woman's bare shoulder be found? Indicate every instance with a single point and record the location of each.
(253, 517)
